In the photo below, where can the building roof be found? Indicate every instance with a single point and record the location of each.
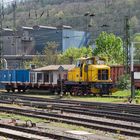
(54, 67)
(64, 27)
(8, 29)
(27, 28)
(43, 27)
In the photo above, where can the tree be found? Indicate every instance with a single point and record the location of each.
(37, 60)
(51, 53)
(71, 54)
(49, 56)
(110, 47)
(134, 22)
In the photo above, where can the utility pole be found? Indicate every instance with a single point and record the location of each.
(14, 26)
(127, 44)
(14, 14)
(88, 15)
(86, 35)
(1, 29)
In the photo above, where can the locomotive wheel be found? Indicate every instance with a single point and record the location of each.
(71, 93)
(64, 93)
(24, 90)
(97, 94)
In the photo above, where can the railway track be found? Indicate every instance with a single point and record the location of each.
(80, 110)
(125, 112)
(127, 108)
(22, 133)
(90, 123)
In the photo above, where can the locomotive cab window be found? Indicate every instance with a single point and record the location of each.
(89, 62)
(102, 74)
(78, 63)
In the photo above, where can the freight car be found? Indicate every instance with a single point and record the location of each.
(118, 70)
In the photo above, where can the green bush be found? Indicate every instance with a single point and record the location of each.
(124, 82)
(137, 92)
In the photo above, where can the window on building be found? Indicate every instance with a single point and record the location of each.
(39, 77)
(46, 77)
(32, 77)
(51, 77)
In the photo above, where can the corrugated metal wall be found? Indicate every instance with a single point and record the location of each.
(73, 38)
(43, 35)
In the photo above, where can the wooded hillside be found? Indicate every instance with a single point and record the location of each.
(109, 14)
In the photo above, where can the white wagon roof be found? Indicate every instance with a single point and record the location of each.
(55, 68)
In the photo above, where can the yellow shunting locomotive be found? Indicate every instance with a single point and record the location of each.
(90, 76)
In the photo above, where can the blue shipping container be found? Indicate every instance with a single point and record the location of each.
(14, 76)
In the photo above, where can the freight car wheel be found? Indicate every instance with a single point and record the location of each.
(13, 90)
(8, 90)
(19, 90)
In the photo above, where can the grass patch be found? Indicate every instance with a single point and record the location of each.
(122, 93)
(117, 99)
(20, 117)
(137, 93)
(96, 99)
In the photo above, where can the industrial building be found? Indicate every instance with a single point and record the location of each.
(24, 43)
(64, 36)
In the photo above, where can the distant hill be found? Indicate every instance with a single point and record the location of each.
(109, 14)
